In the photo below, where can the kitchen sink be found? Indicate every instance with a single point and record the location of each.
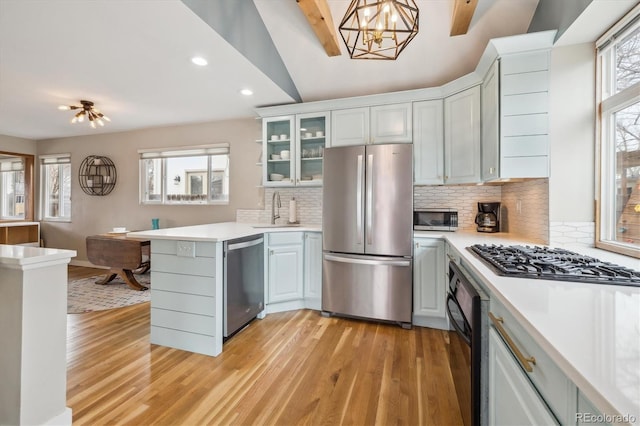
(268, 225)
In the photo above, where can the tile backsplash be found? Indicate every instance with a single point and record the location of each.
(525, 209)
(463, 198)
(525, 205)
(308, 206)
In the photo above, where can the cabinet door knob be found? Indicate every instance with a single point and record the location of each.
(271, 252)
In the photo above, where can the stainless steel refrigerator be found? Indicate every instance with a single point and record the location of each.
(367, 214)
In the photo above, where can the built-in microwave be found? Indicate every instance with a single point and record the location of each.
(435, 219)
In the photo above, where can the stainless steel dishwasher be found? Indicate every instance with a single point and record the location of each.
(243, 291)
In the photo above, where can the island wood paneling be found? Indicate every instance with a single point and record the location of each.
(289, 368)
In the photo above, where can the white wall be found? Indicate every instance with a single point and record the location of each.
(572, 129)
(17, 145)
(92, 215)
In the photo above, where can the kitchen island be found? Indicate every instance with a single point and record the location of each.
(187, 279)
(590, 331)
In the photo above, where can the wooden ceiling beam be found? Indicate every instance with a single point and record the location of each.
(462, 13)
(319, 17)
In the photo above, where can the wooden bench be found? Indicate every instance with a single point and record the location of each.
(122, 255)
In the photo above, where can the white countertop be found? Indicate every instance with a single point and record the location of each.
(16, 255)
(215, 232)
(4, 224)
(592, 331)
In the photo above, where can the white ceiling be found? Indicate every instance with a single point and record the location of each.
(132, 58)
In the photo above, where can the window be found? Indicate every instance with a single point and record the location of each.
(12, 200)
(55, 184)
(189, 175)
(618, 227)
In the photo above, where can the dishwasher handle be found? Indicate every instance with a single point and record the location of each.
(238, 246)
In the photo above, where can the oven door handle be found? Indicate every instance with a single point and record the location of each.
(457, 328)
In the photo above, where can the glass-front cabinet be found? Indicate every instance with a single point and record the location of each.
(312, 139)
(278, 151)
(293, 149)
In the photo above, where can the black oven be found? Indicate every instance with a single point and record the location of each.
(467, 308)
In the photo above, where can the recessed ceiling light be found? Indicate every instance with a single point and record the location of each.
(246, 92)
(199, 60)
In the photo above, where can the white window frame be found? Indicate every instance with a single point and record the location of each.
(608, 103)
(50, 160)
(186, 151)
(11, 165)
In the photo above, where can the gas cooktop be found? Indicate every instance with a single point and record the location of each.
(553, 264)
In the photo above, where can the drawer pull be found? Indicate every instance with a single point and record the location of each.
(525, 362)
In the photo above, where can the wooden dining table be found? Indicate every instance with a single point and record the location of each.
(122, 255)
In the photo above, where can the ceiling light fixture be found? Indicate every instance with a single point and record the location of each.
(246, 92)
(199, 60)
(86, 111)
(379, 29)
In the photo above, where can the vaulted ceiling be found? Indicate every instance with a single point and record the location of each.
(132, 59)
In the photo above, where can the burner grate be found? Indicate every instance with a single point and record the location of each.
(553, 264)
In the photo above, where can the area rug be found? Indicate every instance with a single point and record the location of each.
(85, 295)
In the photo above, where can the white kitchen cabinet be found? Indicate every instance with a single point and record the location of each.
(512, 398)
(313, 270)
(311, 139)
(490, 123)
(278, 135)
(377, 124)
(462, 137)
(284, 272)
(428, 143)
(429, 283)
(515, 109)
(304, 136)
(587, 414)
(551, 384)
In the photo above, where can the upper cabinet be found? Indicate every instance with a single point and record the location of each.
(428, 143)
(515, 108)
(278, 151)
(293, 149)
(376, 124)
(311, 140)
(462, 137)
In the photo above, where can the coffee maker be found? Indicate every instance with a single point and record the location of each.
(488, 217)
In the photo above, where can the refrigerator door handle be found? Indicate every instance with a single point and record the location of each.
(361, 261)
(369, 211)
(359, 201)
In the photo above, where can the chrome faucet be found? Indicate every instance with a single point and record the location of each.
(274, 199)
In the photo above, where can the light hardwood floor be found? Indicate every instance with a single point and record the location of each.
(290, 368)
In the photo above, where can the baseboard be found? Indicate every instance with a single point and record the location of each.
(86, 264)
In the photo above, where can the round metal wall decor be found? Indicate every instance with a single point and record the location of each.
(97, 175)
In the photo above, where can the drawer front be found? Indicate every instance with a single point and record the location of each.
(181, 302)
(204, 266)
(284, 238)
(556, 389)
(199, 324)
(202, 249)
(190, 284)
(185, 341)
